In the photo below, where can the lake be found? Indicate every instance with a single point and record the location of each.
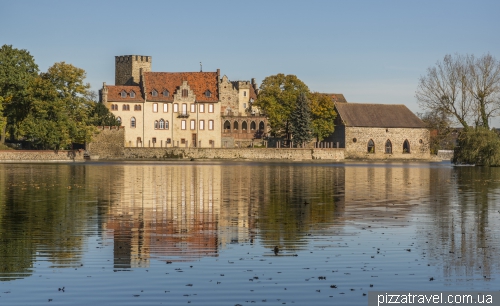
(244, 233)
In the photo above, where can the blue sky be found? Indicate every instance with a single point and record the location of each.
(371, 51)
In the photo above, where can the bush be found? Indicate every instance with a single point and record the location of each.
(478, 146)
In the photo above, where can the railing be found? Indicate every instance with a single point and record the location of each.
(182, 114)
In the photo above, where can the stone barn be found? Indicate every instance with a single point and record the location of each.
(379, 131)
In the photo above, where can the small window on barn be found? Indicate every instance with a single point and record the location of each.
(388, 147)
(371, 146)
(406, 146)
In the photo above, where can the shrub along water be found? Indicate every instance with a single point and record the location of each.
(479, 146)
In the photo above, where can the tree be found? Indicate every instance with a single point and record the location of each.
(322, 114)
(277, 98)
(440, 131)
(479, 146)
(101, 116)
(464, 88)
(300, 121)
(17, 71)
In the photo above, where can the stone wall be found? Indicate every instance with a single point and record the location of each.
(356, 139)
(40, 156)
(128, 67)
(241, 153)
(107, 144)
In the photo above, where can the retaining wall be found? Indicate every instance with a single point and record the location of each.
(40, 155)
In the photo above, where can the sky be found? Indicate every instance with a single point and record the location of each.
(370, 51)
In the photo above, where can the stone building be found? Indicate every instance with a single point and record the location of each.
(379, 131)
(180, 109)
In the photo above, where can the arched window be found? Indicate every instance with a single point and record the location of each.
(227, 125)
(406, 146)
(119, 119)
(166, 124)
(388, 147)
(261, 126)
(371, 146)
(253, 126)
(244, 125)
(162, 124)
(156, 124)
(132, 122)
(235, 125)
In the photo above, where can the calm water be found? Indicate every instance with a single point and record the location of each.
(203, 233)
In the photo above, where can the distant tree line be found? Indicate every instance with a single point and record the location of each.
(49, 110)
(464, 90)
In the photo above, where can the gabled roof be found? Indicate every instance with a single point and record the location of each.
(377, 115)
(114, 93)
(199, 83)
(336, 97)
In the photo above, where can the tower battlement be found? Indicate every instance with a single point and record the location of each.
(128, 68)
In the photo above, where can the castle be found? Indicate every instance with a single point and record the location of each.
(182, 109)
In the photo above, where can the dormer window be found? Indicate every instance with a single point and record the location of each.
(123, 94)
(208, 94)
(154, 93)
(166, 93)
(132, 94)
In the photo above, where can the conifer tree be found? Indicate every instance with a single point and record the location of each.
(300, 121)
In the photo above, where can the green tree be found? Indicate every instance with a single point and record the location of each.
(101, 116)
(277, 98)
(300, 121)
(478, 146)
(17, 71)
(322, 114)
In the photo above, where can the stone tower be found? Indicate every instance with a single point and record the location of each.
(128, 68)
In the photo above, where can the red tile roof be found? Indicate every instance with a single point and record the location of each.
(114, 93)
(198, 82)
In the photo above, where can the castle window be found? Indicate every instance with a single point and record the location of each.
(162, 124)
(132, 94)
(154, 93)
(165, 107)
(193, 124)
(193, 108)
(227, 125)
(202, 108)
(261, 126)
(185, 93)
(235, 125)
(388, 147)
(156, 124)
(176, 107)
(137, 107)
(208, 94)
(155, 107)
(166, 124)
(202, 124)
(123, 94)
(371, 146)
(244, 93)
(132, 122)
(210, 124)
(119, 120)
(169, 140)
(244, 105)
(154, 139)
(183, 140)
(210, 108)
(114, 107)
(253, 126)
(166, 93)
(184, 108)
(183, 124)
(244, 125)
(125, 107)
